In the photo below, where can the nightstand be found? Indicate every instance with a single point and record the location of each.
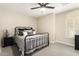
(8, 41)
(77, 42)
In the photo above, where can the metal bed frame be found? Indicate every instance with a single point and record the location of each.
(30, 38)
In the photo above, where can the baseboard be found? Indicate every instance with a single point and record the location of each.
(65, 43)
(52, 42)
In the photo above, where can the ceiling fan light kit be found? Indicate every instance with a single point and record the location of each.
(43, 9)
(43, 6)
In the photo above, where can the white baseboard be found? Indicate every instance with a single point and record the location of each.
(65, 43)
(52, 42)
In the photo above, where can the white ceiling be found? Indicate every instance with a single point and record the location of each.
(24, 8)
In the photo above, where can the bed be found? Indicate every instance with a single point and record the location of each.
(28, 41)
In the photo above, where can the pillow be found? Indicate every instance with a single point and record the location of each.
(20, 33)
(25, 33)
(29, 32)
(34, 32)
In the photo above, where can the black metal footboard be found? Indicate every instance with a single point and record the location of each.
(35, 42)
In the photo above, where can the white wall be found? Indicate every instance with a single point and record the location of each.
(9, 20)
(67, 22)
(47, 24)
(61, 27)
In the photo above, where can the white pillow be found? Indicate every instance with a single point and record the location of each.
(25, 33)
(34, 32)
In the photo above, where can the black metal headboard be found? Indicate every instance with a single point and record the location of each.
(17, 29)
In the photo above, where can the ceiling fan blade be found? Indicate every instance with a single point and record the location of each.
(49, 7)
(40, 4)
(35, 7)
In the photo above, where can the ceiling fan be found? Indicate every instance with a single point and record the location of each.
(43, 5)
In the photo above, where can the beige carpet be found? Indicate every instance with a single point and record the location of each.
(52, 50)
